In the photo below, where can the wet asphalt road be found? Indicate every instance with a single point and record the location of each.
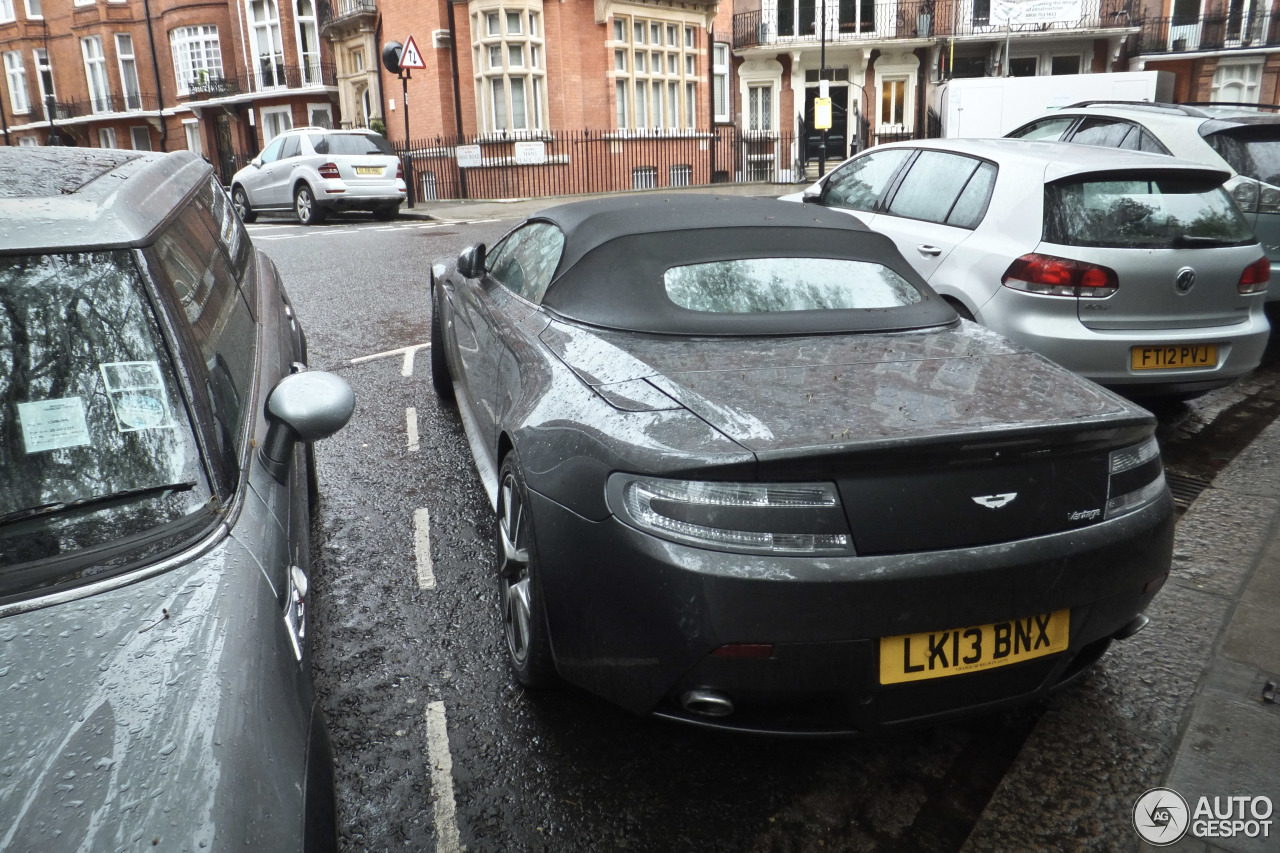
(557, 771)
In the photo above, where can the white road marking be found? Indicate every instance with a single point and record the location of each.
(404, 351)
(407, 368)
(411, 428)
(466, 221)
(422, 549)
(446, 809)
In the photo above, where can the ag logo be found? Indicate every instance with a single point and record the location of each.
(994, 501)
(1161, 816)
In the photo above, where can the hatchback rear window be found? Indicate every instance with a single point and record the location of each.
(1160, 212)
(771, 285)
(353, 143)
(1253, 152)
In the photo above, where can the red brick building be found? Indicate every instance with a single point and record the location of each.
(528, 67)
(219, 78)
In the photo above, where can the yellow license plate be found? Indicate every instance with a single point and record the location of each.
(1162, 358)
(368, 170)
(916, 657)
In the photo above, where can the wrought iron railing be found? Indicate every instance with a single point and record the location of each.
(204, 85)
(271, 74)
(1211, 32)
(268, 75)
(334, 11)
(590, 161)
(105, 104)
(863, 20)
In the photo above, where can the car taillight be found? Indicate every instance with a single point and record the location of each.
(1270, 200)
(1049, 276)
(329, 171)
(747, 518)
(399, 171)
(1254, 196)
(1245, 195)
(1255, 277)
(1136, 478)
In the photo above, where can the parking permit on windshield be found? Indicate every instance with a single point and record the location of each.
(136, 391)
(53, 424)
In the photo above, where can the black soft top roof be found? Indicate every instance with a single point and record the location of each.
(616, 250)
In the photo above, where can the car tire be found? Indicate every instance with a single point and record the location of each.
(386, 213)
(965, 313)
(313, 478)
(240, 201)
(305, 206)
(441, 380)
(524, 618)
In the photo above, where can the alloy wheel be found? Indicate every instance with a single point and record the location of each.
(514, 579)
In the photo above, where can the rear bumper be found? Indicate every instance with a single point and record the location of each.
(340, 194)
(635, 619)
(1051, 326)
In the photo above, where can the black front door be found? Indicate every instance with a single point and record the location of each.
(226, 154)
(838, 136)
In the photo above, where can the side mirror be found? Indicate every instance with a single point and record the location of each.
(813, 195)
(305, 407)
(256, 162)
(471, 261)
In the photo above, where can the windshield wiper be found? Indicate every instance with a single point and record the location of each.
(1191, 240)
(63, 506)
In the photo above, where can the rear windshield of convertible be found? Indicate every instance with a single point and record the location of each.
(772, 279)
(771, 285)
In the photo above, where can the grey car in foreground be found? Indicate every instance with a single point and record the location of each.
(155, 479)
(751, 472)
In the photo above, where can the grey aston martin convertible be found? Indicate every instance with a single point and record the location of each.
(750, 472)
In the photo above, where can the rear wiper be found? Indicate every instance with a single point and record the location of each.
(1190, 240)
(63, 506)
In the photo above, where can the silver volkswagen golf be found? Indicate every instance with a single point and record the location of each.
(155, 479)
(1135, 270)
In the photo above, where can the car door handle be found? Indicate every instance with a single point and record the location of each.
(932, 251)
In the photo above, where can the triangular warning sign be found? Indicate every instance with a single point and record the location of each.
(409, 57)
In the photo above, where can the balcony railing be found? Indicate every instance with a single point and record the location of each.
(273, 74)
(335, 11)
(1211, 32)
(269, 76)
(130, 103)
(88, 107)
(870, 20)
(213, 86)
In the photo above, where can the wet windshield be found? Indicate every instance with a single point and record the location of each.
(95, 441)
(767, 285)
(352, 143)
(1155, 213)
(1253, 152)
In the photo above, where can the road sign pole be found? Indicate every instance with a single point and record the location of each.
(401, 63)
(408, 154)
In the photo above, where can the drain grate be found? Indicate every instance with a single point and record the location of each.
(1185, 488)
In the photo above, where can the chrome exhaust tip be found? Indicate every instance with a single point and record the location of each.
(1139, 622)
(706, 703)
